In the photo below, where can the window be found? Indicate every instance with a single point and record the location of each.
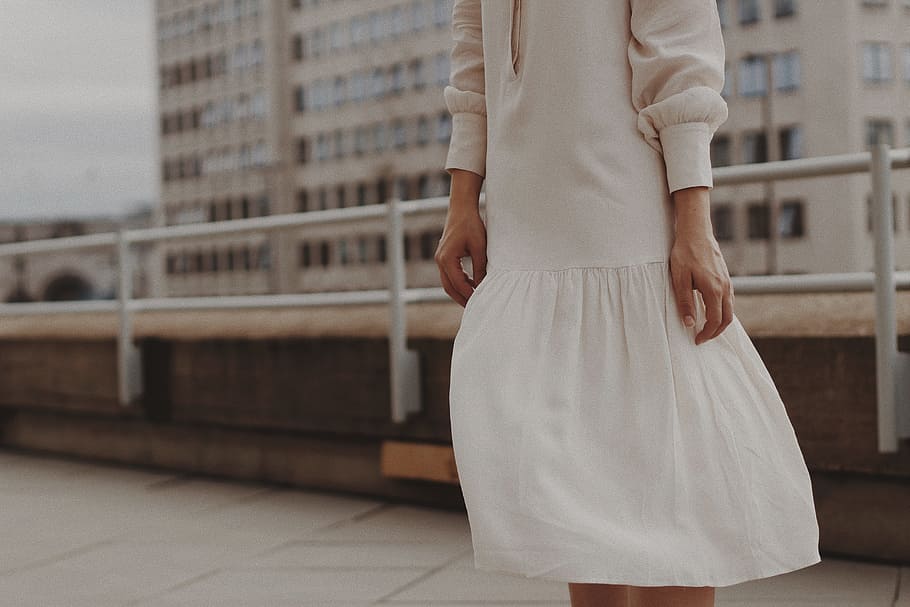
(343, 251)
(759, 218)
(790, 219)
(305, 259)
(721, 151)
(398, 77)
(784, 8)
(791, 144)
(905, 52)
(379, 136)
(303, 200)
(341, 196)
(380, 249)
(324, 254)
(360, 140)
(339, 92)
(752, 76)
(299, 99)
(754, 147)
(442, 11)
(323, 149)
(722, 7)
(786, 71)
(748, 12)
(423, 130)
(427, 245)
(879, 129)
(877, 62)
(722, 220)
(337, 40)
(398, 133)
(441, 68)
(423, 186)
(303, 150)
(404, 188)
(417, 76)
(339, 143)
(444, 126)
(419, 17)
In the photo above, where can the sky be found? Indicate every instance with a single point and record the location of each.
(78, 104)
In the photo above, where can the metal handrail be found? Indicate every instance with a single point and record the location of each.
(892, 366)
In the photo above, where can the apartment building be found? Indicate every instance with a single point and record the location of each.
(810, 78)
(291, 105)
(277, 106)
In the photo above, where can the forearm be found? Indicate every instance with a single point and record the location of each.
(692, 209)
(465, 190)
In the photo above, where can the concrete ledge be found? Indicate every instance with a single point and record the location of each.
(336, 463)
(785, 315)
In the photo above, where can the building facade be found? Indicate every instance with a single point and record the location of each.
(279, 106)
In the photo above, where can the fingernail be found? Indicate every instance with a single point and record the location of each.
(690, 322)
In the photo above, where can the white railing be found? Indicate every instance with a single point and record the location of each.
(892, 366)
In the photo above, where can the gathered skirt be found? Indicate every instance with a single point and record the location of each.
(596, 442)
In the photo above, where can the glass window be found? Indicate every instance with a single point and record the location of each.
(721, 151)
(759, 218)
(752, 76)
(755, 147)
(790, 219)
(786, 71)
(876, 62)
(419, 17)
(791, 144)
(722, 220)
(748, 11)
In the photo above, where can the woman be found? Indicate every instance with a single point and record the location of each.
(613, 425)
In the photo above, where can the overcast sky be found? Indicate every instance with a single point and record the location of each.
(78, 132)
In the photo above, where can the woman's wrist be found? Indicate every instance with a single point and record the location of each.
(692, 209)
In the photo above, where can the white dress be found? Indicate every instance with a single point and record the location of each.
(594, 441)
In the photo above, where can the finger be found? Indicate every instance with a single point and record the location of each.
(458, 278)
(685, 298)
(713, 314)
(478, 254)
(450, 289)
(727, 317)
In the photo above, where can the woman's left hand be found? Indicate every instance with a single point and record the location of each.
(696, 262)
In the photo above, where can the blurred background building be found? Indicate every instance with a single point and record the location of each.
(301, 105)
(62, 276)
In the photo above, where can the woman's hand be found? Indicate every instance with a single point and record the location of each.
(464, 235)
(696, 262)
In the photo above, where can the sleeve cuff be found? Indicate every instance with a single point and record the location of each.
(687, 155)
(468, 143)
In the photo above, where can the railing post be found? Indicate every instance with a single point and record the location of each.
(129, 364)
(890, 364)
(404, 363)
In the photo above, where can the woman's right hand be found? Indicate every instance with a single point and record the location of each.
(464, 235)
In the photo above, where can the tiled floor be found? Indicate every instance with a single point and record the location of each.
(77, 534)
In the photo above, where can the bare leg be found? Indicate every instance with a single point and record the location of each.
(671, 596)
(599, 595)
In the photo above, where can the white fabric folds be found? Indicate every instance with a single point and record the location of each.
(595, 442)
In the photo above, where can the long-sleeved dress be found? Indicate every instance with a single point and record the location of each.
(594, 440)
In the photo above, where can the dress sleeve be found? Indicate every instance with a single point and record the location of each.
(465, 94)
(677, 54)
